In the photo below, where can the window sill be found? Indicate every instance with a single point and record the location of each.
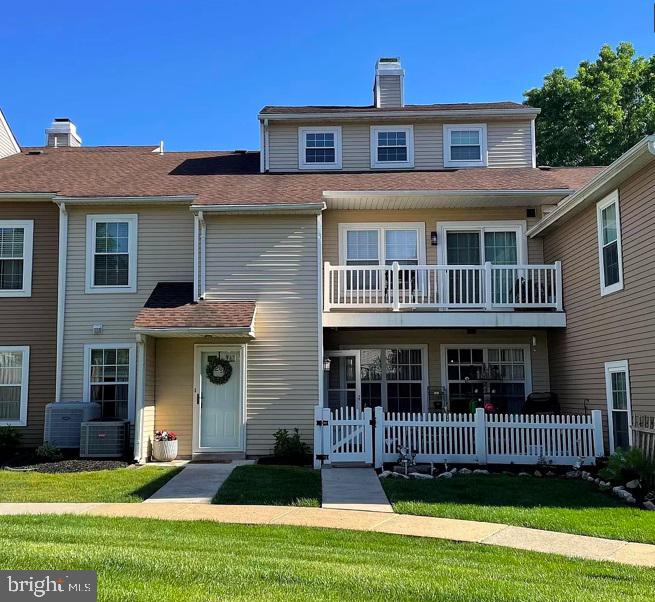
(13, 422)
(392, 165)
(319, 166)
(608, 290)
(464, 164)
(110, 290)
(8, 293)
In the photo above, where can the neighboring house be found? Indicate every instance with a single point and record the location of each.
(365, 256)
(602, 234)
(28, 303)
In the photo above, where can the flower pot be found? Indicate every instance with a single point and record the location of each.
(164, 451)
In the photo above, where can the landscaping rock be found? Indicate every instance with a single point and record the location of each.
(572, 474)
(445, 475)
(624, 495)
(630, 499)
(550, 473)
(634, 484)
(399, 475)
(420, 475)
(649, 505)
(603, 486)
(453, 470)
(385, 474)
(615, 490)
(465, 471)
(508, 473)
(480, 471)
(537, 473)
(524, 474)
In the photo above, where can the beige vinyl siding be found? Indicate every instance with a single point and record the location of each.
(272, 260)
(434, 338)
(509, 144)
(32, 321)
(150, 387)
(618, 326)
(430, 217)
(7, 147)
(165, 254)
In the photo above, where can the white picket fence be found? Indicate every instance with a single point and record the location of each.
(374, 437)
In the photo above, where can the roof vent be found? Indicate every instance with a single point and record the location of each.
(388, 90)
(62, 132)
(240, 151)
(35, 152)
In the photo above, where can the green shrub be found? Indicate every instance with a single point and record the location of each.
(48, 452)
(9, 441)
(627, 464)
(290, 447)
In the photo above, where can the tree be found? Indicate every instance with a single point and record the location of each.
(599, 113)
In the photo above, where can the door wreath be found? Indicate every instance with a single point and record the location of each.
(218, 370)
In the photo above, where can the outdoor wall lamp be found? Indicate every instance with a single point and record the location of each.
(326, 364)
(433, 239)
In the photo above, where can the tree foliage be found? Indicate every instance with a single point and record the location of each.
(599, 113)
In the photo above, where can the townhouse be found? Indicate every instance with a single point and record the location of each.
(391, 255)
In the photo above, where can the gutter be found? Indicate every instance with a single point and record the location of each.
(643, 147)
(349, 194)
(312, 208)
(29, 196)
(125, 200)
(527, 112)
(232, 331)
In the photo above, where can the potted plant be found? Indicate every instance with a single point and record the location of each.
(164, 447)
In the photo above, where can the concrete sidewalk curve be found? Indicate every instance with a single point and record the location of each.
(577, 546)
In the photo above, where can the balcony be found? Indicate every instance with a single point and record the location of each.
(462, 295)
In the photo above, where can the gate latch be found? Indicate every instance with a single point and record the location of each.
(322, 423)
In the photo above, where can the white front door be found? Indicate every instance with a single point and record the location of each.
(219, 399)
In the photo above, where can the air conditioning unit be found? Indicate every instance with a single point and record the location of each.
(63, 419)
(103, 439)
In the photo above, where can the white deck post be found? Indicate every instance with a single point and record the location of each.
(488, 295)
(326, 286)
(395, 284)
(597, 421)
(558, 280)
(379, 436)
(480, 436)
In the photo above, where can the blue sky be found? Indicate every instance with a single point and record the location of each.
(195, 73)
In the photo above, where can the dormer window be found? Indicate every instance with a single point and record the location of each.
(320, 148)
(392, 147)
(465, 145)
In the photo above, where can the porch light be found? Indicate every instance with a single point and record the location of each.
(326, 364)
(433, 239)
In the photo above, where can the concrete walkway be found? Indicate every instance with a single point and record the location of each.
(353, 489)
(578, 546)
(195, 484)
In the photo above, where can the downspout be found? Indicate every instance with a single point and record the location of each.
(319, 272)
(139, 454)
(196, 270)
(61, 296)
(267, 163)
(262, 153)
(533, 141)
(203, 254)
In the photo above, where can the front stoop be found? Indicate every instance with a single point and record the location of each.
(195, 484)
(353, 489)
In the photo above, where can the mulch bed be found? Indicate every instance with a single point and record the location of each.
(70, 466)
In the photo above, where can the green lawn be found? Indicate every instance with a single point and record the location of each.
(555, 504)
(119, 485)
(271, 486)
(139, 560)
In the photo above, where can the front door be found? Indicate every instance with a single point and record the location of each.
(344, 380)
(218, 415)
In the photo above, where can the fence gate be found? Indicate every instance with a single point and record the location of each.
(343, 435)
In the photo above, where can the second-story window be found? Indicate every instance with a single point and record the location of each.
(319, 148)
(111, 253)
(392, 146)
(609, 244)
(16, 258)
(465, 145)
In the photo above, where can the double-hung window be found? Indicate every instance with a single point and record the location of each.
(16, 258)
(609, 244)
(319, 148)
(111, 253)
(109, 378)
(382, 244)
(392, 146)
(619, 412)
(465, 145)
(14, 375)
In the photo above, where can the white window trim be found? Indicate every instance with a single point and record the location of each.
(381, 227)
(447, 131)
(131, 387)
(383, 347)
(91, 221)
(485, 347)
(611, 198)
(24, 387)
(302, 163)
(28, 243)
(610, 368)
(518, 226)
(409, 131)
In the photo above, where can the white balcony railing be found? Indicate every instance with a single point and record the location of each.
(484, 287)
